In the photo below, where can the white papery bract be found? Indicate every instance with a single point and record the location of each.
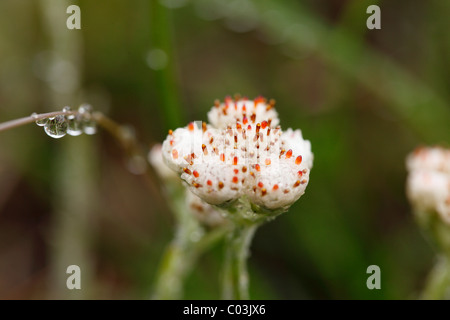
(243, 155)
(162, 170)
(205, 213)
(428, 185)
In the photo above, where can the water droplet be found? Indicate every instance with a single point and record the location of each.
(56, 127)
(74, 125)
(42, 122)
(89, 127)
(39, 122)
(85, 109)
(66, 109)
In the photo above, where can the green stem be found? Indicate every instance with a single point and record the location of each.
(438, 282)
(235, 277)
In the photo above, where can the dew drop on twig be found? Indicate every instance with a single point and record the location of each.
(74, 125)
(56, 127)
(89, 127)
(39, 122)
(85, 109)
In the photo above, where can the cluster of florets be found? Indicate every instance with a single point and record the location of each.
(241, 154)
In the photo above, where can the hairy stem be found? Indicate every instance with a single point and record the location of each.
(438, 282)
(178, 260)
(235, 274)
(189, 243)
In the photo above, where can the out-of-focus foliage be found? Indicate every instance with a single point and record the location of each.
(364, 98)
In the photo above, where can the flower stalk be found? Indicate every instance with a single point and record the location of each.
(235, 273)
(438, 283)
(181, 255)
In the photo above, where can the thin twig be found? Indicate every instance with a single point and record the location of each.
(118, 131)
(121, 133)
(33, 118)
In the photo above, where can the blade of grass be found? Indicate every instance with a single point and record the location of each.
(165, 77)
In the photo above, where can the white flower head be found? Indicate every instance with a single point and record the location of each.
(428, 185)
(241, 158)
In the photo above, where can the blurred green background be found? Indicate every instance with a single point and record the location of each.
(364, 98)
